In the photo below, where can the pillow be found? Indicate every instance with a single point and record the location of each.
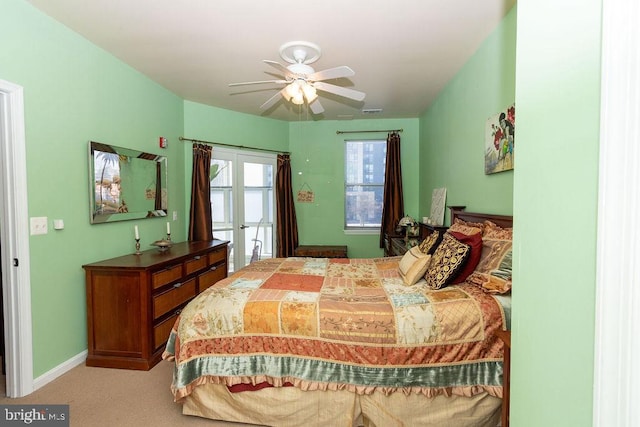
(430, 243)
(493, 273)
(493, 231)
(413, 265)
(465, 227)
(475, 243)
(446, 261)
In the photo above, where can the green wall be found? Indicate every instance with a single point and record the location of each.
(317, 159)
(555, 207)
(75, 92)
(452, 129)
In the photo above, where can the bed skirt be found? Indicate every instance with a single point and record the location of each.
(292, 407)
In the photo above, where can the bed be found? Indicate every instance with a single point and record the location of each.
(396, 341)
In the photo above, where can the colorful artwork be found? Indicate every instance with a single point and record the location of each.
(499, 141)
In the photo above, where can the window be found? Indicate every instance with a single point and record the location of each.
(364, 183)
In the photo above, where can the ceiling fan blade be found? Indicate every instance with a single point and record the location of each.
(316, 107)
(339, 90)
(278, 66)
(271, 101)
(332, 73)
(259, 82)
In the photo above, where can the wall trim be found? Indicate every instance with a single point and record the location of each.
(617, 346)
(60, 370)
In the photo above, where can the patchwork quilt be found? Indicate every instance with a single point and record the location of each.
(329, 324)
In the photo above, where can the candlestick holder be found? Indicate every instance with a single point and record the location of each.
(138, 247)
(169, 237)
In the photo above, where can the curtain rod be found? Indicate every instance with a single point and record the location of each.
(367, 131)
(232, 145)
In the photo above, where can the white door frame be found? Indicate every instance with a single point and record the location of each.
(239, 157)
(617, 342)
(14, 232)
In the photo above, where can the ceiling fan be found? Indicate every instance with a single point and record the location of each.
(302, 81)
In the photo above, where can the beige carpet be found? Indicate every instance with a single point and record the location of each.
(116, 397)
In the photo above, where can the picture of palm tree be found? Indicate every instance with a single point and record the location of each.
(106, 182)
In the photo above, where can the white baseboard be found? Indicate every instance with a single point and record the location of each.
(59, 370)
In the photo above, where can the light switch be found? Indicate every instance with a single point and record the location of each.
(39, 225)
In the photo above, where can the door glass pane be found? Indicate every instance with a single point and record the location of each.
(222, 202)
(258, 192)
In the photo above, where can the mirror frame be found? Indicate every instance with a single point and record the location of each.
(119, 209)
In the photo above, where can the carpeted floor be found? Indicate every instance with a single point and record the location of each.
(100, 397)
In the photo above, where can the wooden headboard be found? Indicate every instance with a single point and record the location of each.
(504, 221)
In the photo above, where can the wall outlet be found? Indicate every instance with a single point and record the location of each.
(39, 225)
(175, 215)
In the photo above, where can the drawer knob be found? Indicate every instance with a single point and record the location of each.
(177, 312)
(214, 268)
(177, 285)
(197, 257)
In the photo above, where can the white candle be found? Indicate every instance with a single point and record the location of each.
(168, 228)
(135, 229)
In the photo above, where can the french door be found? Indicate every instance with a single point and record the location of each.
(243, 203)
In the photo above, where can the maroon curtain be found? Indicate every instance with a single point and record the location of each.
(200, 221)
(286, 223)
(393, 203)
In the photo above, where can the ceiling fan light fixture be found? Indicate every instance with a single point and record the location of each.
(292, 89)
(309, 92)
(301, 82)
(298, 99)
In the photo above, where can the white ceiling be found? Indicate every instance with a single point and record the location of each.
(403, 52)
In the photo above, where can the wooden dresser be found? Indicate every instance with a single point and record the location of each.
(134, 300)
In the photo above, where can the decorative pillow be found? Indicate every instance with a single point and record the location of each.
(493, 231)
(475, 242)
(413, 265)
(446, 261)
(429, 244)
(465, 227)
(493, 272)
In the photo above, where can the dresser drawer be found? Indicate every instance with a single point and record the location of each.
(166, 276)
(218, 255)
(195, 264)
(214, 274)
(163, 329)
(180, 293)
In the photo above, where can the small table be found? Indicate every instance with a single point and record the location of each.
(506, 381)
(321, 251)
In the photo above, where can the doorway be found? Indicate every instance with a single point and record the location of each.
(243, 203)
(14, 239)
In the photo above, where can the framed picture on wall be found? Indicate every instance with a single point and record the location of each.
(499, 141)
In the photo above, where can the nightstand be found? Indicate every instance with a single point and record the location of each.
(398, 244)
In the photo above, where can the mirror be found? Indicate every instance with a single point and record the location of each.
(126, 184)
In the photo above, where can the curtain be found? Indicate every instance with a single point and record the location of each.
(200, 221)
(392, 202)
(286, 223)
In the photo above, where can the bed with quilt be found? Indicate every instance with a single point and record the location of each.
(396, 341)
